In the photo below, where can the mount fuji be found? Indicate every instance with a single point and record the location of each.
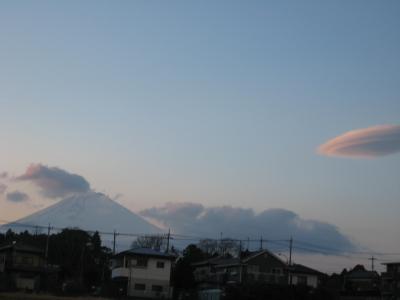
(89, 211)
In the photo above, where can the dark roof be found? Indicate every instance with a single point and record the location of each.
(265, 251)
(213, 261)
(301, 269)
(21, 248)
(146, 252)
(224, 261)
(363, 275)
(391, 263)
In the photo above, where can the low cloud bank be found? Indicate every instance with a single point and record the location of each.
(273, 224)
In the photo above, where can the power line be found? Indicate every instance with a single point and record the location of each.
(284, 243)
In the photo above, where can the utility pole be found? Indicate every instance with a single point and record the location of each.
(240, 261)
(220, 244)
(372, 259)
(290, 259)
(261, 243)
(115, 235)
(46, 256)
(168, 237)
(248, 244)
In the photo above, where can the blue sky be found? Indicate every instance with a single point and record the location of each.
(211, 102)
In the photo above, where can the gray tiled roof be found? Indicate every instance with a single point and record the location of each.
(301, 269)
(22, 248)
(146, 252)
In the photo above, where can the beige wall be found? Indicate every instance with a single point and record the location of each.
(148, 291)
(149, 276)
(151, 271)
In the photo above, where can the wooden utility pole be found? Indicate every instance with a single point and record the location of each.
(46, 256)
(115, 235)
(168, 237)
(290, 259)
(261, 243)
(372, 259)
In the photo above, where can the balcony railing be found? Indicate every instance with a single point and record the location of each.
(120, 272)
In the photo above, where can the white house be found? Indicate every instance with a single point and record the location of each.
(144, 272)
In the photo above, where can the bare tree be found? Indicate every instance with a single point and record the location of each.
(209, 246)
(221, 247)
(156, 242)
(229, 246)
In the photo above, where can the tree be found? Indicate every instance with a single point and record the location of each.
(208, 246)
(226, 246)
(156, 242)
(78, 254)
(229, 246)
(182, 277)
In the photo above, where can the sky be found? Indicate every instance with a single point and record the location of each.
(218, 103)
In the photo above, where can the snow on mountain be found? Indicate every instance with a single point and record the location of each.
(88, 211)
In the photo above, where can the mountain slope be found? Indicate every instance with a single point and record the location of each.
(89, 211)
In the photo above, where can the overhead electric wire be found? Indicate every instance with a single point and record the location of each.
(282, 243)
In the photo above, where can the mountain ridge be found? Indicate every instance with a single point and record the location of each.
(91, 211)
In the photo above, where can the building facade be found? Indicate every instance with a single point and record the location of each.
(259, 266)
(303, 275)
(144, 273)
(391, 281)
(21, 267)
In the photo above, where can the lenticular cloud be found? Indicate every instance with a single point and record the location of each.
(369, 142)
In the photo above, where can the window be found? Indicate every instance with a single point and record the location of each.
(253, 268)
(24, 260)
(156, 288)
(140, 286)
(276, 271)
(302, 280)
(140, 262)
(160, 265)
(27, 261)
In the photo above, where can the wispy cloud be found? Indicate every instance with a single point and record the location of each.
(235, 222)
(369, 142)
(55, 182)
(17, 197)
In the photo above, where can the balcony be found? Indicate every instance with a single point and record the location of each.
(120, 272)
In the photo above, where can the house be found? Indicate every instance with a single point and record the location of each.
(143, 272)
(391, 281)
(21, 267)
(361, 282)
(303, 275)
(259, 266)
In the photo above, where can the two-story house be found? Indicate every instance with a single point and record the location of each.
(391, 281)
(361, 282)
(303, 275)
(261, 266)
(21, 266)
(144, 272)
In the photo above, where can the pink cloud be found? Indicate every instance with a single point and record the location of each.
(368, 142)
